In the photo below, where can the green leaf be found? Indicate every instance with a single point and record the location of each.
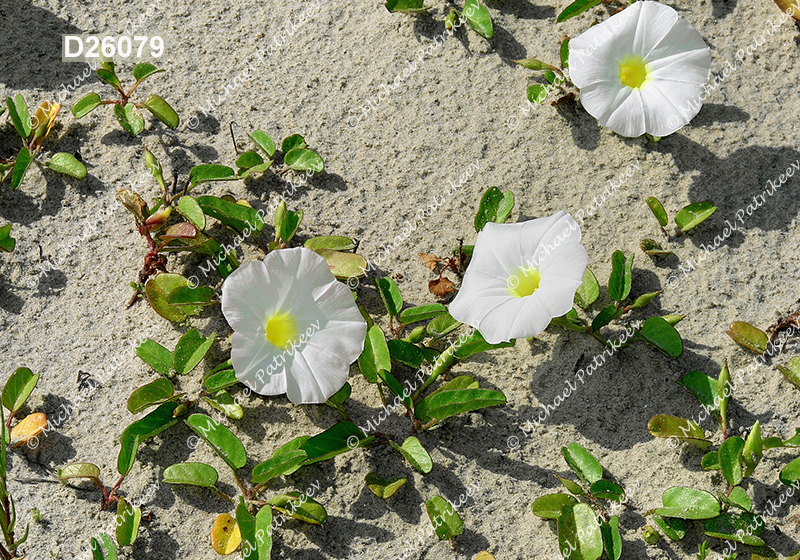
(449, 523)
(158, 357)
(396, 388)
(382, 487)
(7, 243)
(612, 541)
(619, 284)
(658, 210)
(606, 315)
(653, 248)
(331, 242)
(791, 472)
(222, 401)
(415, 454)
(703, 387)
(478, 18)
(710, 461)
(237, 216)
(673, 527)
(301, 159)
(573, 487)
(194, 474)
(390, 294)
(730, 459)
(588, 291)
(692, 215)
(247, 527)
(247, 160)
(191, 348)
(532, 64)
(163, 111)
(579, 534)
(743, 528)
(790, 371)
(220, 438)
(442, 326)
(643, 300)
(291, 142)
(150, 425)
(667, 426)
(78, 470)
(661, 335)
(495, 206)
(264, 142)
(278, 465)
(577, 7)
(264, 533)
(337, 439)
(753, 449)
(607, 490)
(191, 210)
(109, 76)
(549, 506)
(66, 164)
(750, 337)
(404, 6)
(21, 165)
(688, 503)
(86, 105)
(129, 118)
(582, 463)
(476, 344)
(210, 172)
(292, 445)
(308, 511)
(440, 406)
(338, 399)
(18, 388)
(145, 70)
(724, 392)
(537, 93)
(221, 380)
(564, 52)
(18, 111)
(154, 393)
(406, 353)
(344, 265)
(109, 547)
(375, 356)
(128, 518)
(422, 313)
(739, 498)
(290, 225)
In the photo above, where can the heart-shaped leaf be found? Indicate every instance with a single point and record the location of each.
(688, 503)
(302, 159)
(145, 70)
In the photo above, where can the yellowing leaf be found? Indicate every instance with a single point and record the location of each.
(43, 120)
(225, 535)
(30, 427)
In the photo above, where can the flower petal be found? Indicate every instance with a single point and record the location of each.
(243, 302)
(311, 378)
(256, 364)
(670, 105)
(653, 25)
(682, 38)
(605, 100)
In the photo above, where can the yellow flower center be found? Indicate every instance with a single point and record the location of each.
(281, 329)
(524, 282)
(633, 71)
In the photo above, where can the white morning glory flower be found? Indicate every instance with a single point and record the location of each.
(520, 277)
(296, 328)
(641, 70)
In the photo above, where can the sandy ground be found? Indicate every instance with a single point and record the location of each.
(63, 291)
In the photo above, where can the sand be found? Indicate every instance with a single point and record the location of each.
(459, 105)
